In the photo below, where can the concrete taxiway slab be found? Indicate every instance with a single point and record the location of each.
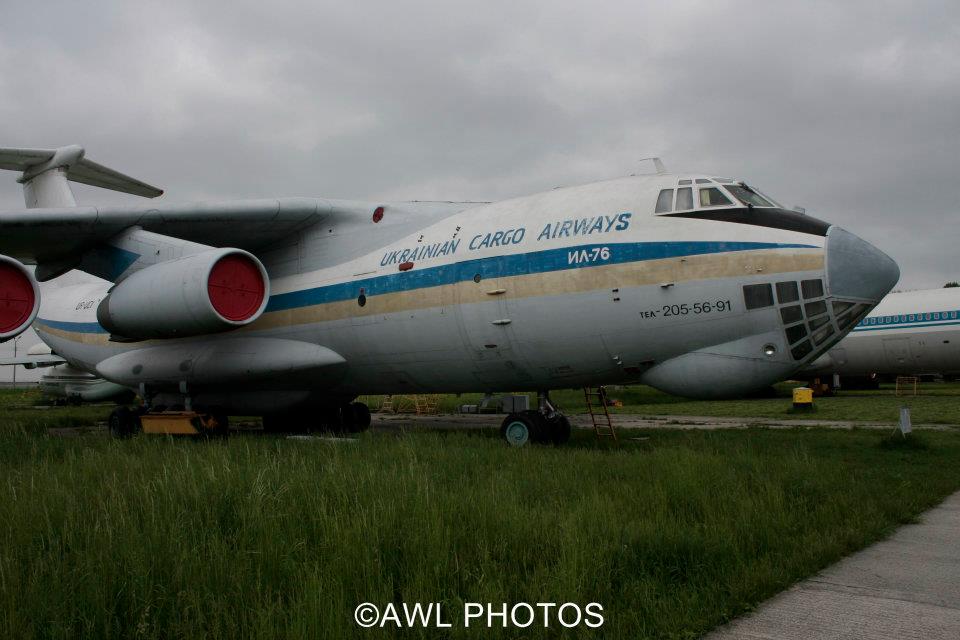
(907, 586)
(631, 421)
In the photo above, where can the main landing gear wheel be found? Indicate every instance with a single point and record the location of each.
(273, 423)
(123, 423)
(353, 418)
(215, 424)
(360, 417)
(292, 422)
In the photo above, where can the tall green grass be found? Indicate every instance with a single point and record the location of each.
(275, 538)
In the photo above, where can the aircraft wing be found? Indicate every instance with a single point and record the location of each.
(38, 236)
(77, 168)
(33, 362)
(56, 235)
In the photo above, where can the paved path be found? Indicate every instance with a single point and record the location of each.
(634, 421)
(907, 586)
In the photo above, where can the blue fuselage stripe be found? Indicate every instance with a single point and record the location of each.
(509, 265)
(490, 267)
(75, 327)
(906, 325)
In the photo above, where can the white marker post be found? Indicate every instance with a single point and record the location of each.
(905, 426)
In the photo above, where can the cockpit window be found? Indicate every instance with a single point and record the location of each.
(713, 197)
(684, 182)
(723, 180)
(748, 196)
(665, 201)
(702, 181)
(684, 198)
(768, 198)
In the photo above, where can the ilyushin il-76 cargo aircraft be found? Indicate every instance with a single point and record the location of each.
(290, 308)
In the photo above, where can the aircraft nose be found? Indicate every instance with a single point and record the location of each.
(857, 269)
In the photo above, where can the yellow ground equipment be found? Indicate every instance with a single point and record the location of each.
(820, 388)
(803, 399)
(187, 423)
(427, 404)
(906, 386)
(421, 404)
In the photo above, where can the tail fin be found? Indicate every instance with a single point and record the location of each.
(46, 171)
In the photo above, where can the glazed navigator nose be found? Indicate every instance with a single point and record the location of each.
(856, 269)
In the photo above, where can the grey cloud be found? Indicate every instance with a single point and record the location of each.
(849, 109)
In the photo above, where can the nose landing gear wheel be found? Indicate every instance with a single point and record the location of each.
(519, 429)
(532, 426)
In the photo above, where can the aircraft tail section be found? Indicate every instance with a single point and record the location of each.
(46, 172)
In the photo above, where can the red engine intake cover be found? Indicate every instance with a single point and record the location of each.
(16, 298)
(236, 287)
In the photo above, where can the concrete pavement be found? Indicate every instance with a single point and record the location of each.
(907, 586)
(634, 421)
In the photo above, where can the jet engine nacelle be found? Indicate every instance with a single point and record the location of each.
(19, 298)
(208, 292)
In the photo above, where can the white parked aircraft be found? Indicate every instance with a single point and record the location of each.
(909, 333)
(63, 383)
(290, 308)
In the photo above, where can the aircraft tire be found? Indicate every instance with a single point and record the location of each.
(123, 423)
(518, 429)
(559, 429)
(272, 423)
(343, 420)
(361, 417)
(221, 428)
(542, 427)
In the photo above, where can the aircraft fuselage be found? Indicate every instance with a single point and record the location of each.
(575, 286)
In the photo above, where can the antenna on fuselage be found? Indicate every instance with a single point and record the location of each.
(657, 163)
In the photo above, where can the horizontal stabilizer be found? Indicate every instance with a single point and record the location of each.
(97, 175)
(33, 162)
(23, 159)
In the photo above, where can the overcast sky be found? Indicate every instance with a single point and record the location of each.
(850, 109)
